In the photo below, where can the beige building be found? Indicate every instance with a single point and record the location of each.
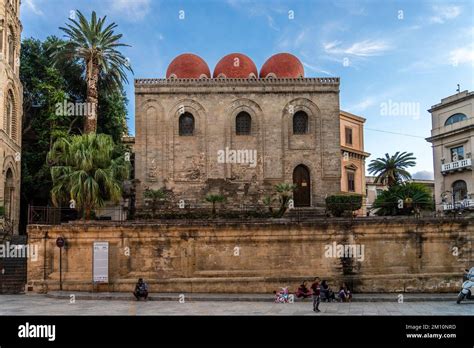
(11, 110)
(452, 137)
(239, 132)
(353, 154)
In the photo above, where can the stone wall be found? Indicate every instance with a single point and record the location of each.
(400, 255)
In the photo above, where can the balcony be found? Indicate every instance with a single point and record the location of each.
(461, 205)
(461, 165)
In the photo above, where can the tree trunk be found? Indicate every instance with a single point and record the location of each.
(90, 121)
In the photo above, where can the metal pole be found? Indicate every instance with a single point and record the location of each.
(61, 269)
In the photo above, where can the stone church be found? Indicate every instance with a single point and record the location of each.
(238, 132)
(11, 95)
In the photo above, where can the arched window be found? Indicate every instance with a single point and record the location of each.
(300, 123)
(9, 114)
(186, 124)
(459, 190)
(243, 124)
(8, 195)
(455, 118)
(11, 48)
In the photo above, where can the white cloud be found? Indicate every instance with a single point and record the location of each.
(444, 13)
(364, 48)
(362, 105)
(316, 69)
(134, 10)
(257, 9)
(423, 175)
(330, 45)
(271, 23)
(462, 55)
(31, 5)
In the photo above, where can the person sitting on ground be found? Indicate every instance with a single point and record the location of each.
(282, 296)
(303, 291)
(344, 293)
(141, 290)
(326, 292)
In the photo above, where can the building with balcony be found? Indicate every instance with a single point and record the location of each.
(452, 139)
(11, 100)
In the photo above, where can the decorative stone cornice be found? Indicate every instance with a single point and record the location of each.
(231, 85)
(354, 153)
(229, 81)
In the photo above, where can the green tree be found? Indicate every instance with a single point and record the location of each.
(95, 45)
(87, 169)
(392, 169)
(155, 197)
(285, 192)
(211, 198)
(44, 87)
(414, 197)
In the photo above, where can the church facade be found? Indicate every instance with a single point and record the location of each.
(11, 95)
(238, 132)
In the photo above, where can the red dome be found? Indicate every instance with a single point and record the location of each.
(282, 65)
(188, 66)
(236, 65)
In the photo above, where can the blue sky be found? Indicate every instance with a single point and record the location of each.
(387, 53)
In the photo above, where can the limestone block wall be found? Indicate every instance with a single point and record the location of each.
(401, 255)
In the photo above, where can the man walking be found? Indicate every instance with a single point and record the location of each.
(316, 294)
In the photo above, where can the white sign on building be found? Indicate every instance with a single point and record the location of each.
(100, 262)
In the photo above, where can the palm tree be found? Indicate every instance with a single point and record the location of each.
(214, 199)
(285, 192)
(87, 169)
(392, 169)
(414, 197)
(95, 46)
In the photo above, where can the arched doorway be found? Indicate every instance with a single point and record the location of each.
(8, 195)
(302, 180)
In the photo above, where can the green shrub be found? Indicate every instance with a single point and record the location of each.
(339, 205)
(414, 197)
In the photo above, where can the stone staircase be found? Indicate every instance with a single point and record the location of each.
(13, 270)
(303, 214)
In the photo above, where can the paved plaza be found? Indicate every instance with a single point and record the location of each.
(42, 305)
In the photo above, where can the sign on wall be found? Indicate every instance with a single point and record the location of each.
(101, 262)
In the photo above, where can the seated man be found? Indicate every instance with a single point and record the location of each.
(326, 292)
(345, 294)
(303, 291)
(141, 290)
